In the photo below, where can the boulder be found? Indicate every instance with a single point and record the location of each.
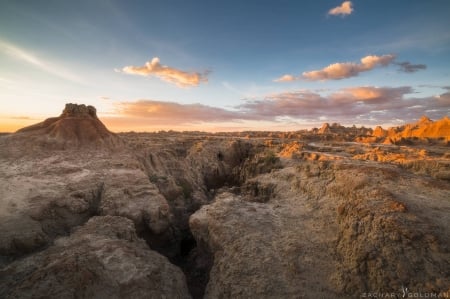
(102, 259)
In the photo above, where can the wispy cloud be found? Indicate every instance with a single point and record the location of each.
(408, 67)
(6, 81)
(342, 70)
(344, 9)
(168, 74)
(285, 78)
(28, 57)
(20, 117)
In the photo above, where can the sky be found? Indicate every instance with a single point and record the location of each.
(211, 65)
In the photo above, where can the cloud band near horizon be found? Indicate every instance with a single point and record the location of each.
(174, 113)
(366, 104)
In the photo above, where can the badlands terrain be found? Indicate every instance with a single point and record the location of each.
(332, 212)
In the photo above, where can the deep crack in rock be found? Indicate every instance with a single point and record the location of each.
(228, 168)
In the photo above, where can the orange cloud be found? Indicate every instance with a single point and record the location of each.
(343, 70)
(166, 73)
(344, 9)
(158, 112)
(337, 71)
(285, 78)
(371, 61)
(363, 93)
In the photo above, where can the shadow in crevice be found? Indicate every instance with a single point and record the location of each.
(182, 250)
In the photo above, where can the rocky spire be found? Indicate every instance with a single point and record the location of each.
(425, 120)
(76, 110)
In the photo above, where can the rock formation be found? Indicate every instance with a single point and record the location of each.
(379, 132)
(77, 126)
(325, 129)
(102, 259)
(329, 230)
(424, 128)
(423, 131)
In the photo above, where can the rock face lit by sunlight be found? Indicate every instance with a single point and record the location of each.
(77, 126)
(205, 215)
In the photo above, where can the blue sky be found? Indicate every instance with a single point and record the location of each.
(225, 65)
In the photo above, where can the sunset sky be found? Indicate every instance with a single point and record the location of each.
(225, 65)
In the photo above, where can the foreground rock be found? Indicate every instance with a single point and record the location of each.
(328, 229)
(102, 259)
(46, 195)
(251, 257)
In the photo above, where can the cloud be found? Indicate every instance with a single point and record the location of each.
(342, 70)
(361, 104)
(285, 78)
(344, 9)
(166, 73)
(31, 59)
(372, 95)
(337, 71)
(291, 104)
(349, 105)
(22, 117)
(174, 113)
(408, 67)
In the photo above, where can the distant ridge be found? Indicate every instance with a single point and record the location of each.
(425, 128)
(77, 126)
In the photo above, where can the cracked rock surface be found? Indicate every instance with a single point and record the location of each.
(102, 259)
